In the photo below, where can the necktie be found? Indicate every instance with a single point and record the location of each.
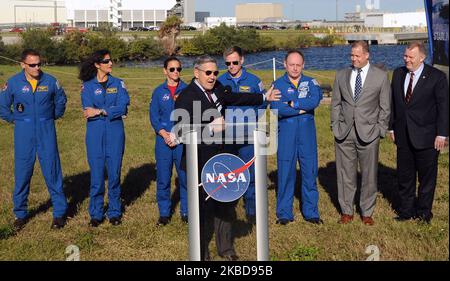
(208, 93)
(358, 85)
(409, 90)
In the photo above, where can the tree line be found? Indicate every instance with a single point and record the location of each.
(73, 47)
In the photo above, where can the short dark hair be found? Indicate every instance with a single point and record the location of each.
(29, 52)
(361, 43)
(234, 49)
(294, 52)
(169, 59)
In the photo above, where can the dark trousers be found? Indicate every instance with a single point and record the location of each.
(423, 163)
(216, 217)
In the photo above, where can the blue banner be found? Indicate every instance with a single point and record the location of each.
(437, 18)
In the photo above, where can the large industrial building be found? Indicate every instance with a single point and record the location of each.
(92, 13)
(20, 12)
(258, 12)
(413, 19)
(377, 18)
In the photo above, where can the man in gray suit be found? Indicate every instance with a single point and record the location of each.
(360, 110)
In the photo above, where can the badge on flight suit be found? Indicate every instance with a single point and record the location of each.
(20, 107)
(303, 90)
(166, 97)
(290, 91)
(5, 86)
(244, 89)
(98, 92)
(111, 91)
(42, 89)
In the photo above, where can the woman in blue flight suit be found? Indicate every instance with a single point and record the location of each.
(105, 100)
(167, 152)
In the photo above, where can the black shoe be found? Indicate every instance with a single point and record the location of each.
(315, 221)
(94, 223)
(184, 218)
(402, 218)
(424, 219)
(115, 221)
(233, 257)
(251, 219)
(58, 223)
(19, 224)
(163, 221)
(282, 221)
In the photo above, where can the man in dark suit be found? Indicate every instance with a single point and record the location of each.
(206, 96)
(419, 127)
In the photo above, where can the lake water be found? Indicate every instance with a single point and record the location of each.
(316, 58)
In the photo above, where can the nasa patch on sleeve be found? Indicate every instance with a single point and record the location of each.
(123, 85)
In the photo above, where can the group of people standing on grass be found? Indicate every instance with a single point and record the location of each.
(365, 107)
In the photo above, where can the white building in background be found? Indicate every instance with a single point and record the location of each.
(141, 13)
(20, 12)
(92, 13)
(119, 13)
(216, 21)
(412, 19)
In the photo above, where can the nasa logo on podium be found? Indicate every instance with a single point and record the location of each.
(226, 177)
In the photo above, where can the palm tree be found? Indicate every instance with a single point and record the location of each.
(168, 33)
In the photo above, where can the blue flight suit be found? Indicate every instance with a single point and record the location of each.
(297, 142)
(161, 106)
(246, 83)
(34, 115)
(105, 142)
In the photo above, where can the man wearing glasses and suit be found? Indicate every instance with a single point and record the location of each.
(206, 96)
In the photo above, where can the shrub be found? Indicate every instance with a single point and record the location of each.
(142, 49)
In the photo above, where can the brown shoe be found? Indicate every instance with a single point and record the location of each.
(367, 220)
(345, 219)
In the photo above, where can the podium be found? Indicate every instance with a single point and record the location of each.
(262, 230)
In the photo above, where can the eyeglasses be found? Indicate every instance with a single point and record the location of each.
(105, 61)
(228, 63)
(172, 69)
(209, 72)
(33, 65)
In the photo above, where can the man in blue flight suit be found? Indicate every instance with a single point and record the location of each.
(167, 151)
(297, 139)
(37, 100)
(242, 81)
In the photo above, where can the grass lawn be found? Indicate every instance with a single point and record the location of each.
(139, 239)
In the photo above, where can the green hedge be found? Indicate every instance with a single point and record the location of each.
(76, 46)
